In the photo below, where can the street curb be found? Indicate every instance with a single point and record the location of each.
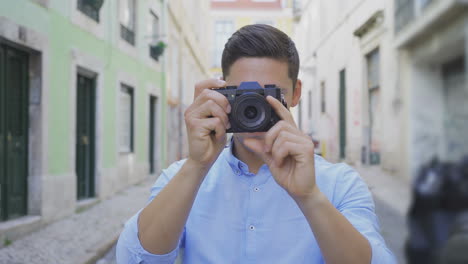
(101, 251)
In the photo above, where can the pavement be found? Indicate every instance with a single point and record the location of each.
(89, 236)
(392, 197)
(82, 238)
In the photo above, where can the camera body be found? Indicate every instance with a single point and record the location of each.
(250, 111)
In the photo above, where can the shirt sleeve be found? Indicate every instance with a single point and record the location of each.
(129, 248)
(356, 204)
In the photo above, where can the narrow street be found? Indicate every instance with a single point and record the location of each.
(93, 106)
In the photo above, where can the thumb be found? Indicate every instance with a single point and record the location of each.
(256, 146)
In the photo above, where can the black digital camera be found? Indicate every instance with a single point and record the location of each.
(250, 111)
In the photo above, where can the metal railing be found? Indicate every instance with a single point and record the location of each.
(88, 9)
(127, 34)
(407, 10)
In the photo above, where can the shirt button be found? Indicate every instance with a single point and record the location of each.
(256, 189)
(252, 227)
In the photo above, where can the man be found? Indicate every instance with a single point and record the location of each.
(264, 199)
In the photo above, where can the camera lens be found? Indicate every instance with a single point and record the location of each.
(250, 112)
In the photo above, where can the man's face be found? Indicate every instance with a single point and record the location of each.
(264, 71)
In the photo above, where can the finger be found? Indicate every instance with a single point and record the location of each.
(277, 148)
(280, 110)
(284, 150)
(217, 97)
(273, 133)
(212, 125)
(256, 146)
(211, 109)
(208, 84)
(303, 147)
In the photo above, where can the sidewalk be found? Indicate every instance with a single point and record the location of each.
(392, 190)
(392, 198)
(83, 237)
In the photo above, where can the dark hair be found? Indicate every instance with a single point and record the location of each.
(261, 41)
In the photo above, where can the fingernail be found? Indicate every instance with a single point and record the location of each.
(228, 109)
(221, 82)
(228, 126)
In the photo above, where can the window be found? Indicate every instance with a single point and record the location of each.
(126, 118)
(127, 20)
(156, 47)
(223, 31)
(322, 96)
(407, 10)
(373, 70)
(265, 22)
(155, 34)
(90, 8)
(309, 99)
(375, 120)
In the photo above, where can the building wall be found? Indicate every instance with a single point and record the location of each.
(188, 64)
(327, 43)
(434, 37)
(64, 40)
(420, 117)
(242, 13)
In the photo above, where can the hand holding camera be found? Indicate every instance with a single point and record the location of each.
(207, 121)
(289, 154)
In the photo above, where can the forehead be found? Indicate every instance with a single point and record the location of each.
(261, 70)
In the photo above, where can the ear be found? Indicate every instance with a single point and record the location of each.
(297, 93)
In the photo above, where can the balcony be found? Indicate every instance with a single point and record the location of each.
(127, 34)
(416, 18)
(90, 8)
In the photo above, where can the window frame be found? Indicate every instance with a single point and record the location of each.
(130, 91)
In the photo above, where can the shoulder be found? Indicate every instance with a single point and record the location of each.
(338, 180)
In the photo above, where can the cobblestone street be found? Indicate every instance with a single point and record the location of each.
(393, 226)
(81, 238)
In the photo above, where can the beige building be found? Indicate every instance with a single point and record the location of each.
(229, 16)
(348, 69)
(187, 63)
(384, 81)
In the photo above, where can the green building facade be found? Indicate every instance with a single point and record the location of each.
(82, 104)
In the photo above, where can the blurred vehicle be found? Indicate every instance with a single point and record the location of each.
(438, 216)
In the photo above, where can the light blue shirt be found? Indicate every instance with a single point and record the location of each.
(239, 217)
